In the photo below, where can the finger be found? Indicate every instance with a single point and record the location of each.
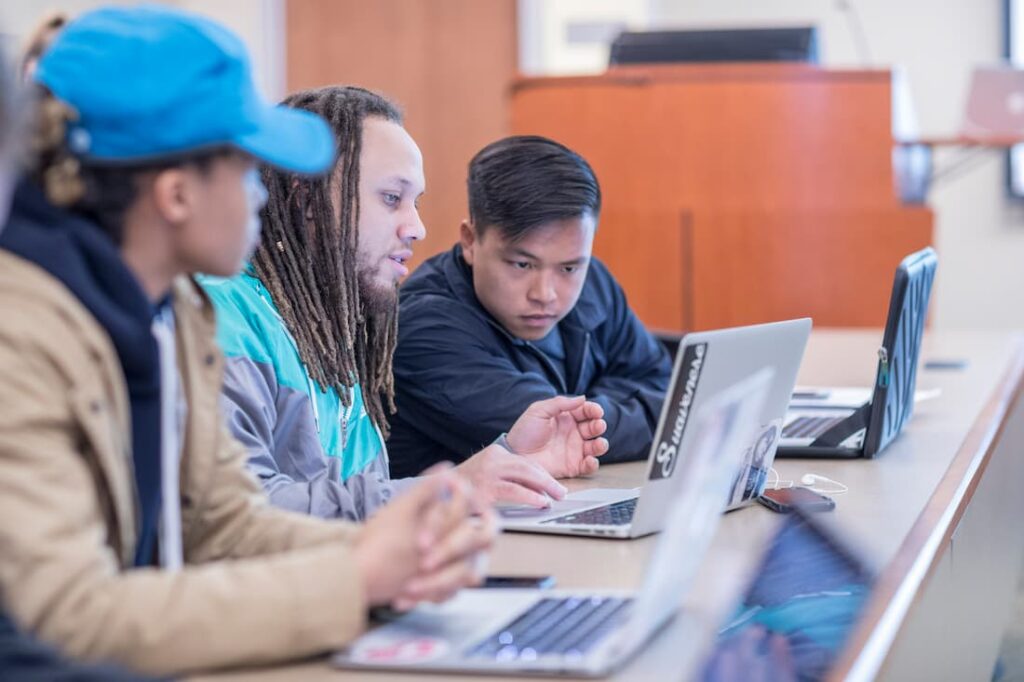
(587, 411)
(449, 507)
(455, 507)
(418, 505)
(588, 466)
(595, 448)
(552, 407)
(402, 603)
(513, 493)
(480, 502)
(441, 584)
(592, 429)
(466, 540)
(525, 473)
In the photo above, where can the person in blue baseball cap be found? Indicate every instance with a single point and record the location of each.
(131, 531)
(21, 656)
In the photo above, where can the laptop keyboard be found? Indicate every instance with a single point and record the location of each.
(568, 626)
(809, 427)
(617, 514)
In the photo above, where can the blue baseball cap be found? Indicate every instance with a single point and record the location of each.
(152, 82)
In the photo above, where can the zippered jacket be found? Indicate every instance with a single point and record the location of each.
(311, 453)
(461, 379)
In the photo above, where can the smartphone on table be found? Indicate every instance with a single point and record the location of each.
(538, 581)
(783, 500)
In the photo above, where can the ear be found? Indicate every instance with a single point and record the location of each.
(173, 195)
(468, 239)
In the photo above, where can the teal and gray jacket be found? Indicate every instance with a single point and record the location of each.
(311, 453)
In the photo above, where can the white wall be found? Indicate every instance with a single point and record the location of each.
(979, 234)
(259, 23)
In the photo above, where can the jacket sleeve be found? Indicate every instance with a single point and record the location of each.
(279, 431)
(454, 385)
(632, 387)
(62, 581)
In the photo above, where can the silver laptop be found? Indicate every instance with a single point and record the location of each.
(706, 362)
(995, 102)
(584, 633)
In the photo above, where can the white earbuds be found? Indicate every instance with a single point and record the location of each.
(776, 484)
(814, 481)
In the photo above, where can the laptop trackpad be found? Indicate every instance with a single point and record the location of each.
(573, 502)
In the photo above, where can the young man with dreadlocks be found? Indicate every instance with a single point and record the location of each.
(309, 331)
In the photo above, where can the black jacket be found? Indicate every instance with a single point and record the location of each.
(461, 379)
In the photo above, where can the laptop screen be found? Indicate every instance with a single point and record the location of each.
(803, 604)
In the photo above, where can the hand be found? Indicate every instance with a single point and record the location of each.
(424, 545)
(561, 434)
(499, 476)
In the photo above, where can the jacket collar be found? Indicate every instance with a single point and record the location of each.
(588, 313)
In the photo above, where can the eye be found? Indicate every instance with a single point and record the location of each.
(391, 199)
(570, 269)
(519, 264)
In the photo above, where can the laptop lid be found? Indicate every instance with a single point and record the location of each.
(995, 102)
(896, 378)
(707, 363)
(723, 427)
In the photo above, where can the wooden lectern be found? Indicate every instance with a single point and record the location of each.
(738, 193)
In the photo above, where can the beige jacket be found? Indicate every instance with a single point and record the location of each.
(259, 584)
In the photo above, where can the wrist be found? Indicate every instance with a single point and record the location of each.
(502, 441)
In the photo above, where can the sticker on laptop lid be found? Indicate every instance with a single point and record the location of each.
(683, 395)
(400, 650)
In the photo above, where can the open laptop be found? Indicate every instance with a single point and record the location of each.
(582, 632)
(995, 103)
(825, 423)
(706, 362)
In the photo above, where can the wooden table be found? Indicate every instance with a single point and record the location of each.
(938, 513)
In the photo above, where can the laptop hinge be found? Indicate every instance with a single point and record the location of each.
(835, 436)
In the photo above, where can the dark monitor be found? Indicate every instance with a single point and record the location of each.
(799, 44)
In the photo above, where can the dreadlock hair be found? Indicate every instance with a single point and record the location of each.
(307, 259)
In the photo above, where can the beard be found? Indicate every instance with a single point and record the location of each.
(377, 300)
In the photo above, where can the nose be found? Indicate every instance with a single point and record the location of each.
(412, 228)
(542, 288)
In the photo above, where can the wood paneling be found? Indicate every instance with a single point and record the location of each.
(448, 63)
(738, 193)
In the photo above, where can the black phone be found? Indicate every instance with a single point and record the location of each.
(783, 500)
(537, 581)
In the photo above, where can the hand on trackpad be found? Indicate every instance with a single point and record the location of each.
(523, 511)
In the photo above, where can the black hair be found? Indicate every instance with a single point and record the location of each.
(522, 182)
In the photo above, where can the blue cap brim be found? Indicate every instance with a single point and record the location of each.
(291, 139)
